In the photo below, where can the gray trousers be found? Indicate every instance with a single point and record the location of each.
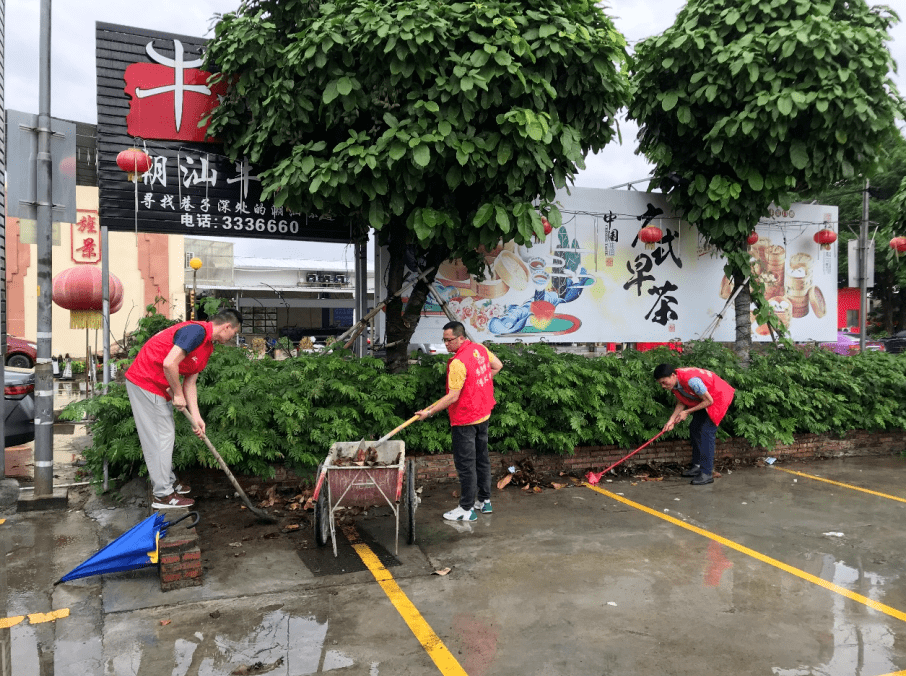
(157, 433)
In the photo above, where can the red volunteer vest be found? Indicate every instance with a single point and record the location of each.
(720, 390)
(147, 371)
(476, 400)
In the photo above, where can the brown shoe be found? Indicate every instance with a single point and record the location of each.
(172, 501)
(182, 489)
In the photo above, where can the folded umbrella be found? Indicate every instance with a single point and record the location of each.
(136, 548)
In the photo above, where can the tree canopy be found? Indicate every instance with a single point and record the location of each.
(448, 126)
(743, 102)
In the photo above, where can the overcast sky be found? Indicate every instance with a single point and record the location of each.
(73, 73)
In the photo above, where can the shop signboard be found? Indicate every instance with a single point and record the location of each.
(152, 94)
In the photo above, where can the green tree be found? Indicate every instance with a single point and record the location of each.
(441, 126)
(744, 102)
(887, 219)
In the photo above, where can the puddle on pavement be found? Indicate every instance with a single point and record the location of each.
(858, 643)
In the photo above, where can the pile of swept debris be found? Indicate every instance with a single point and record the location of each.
(524, 475)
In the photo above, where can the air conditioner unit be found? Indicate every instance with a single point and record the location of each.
(189, 256)
(323, 279)
(311, 277)
(339, 279)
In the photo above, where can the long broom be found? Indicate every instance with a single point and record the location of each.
(594, 478)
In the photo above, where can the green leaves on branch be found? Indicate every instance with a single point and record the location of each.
(419, 107)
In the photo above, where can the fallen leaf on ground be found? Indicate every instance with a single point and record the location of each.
(558, 486)
(504, 481)
(442, 571)
(235, 544)
(537, 489)
(164, 623)
(293, 506)
(455, 494)
(653, 478)
(292, 526)
(526, 487)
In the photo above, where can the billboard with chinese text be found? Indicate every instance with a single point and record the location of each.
(593, 280)
(152, 94)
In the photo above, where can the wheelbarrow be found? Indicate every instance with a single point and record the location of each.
(383, 475)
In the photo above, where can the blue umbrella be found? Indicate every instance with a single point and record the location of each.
(136, 548)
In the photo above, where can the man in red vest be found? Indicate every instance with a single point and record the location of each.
(470, 399)
(162, 376)
(707, 397)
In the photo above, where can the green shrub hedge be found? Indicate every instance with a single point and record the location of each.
(260, 413)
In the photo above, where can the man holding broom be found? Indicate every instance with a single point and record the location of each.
(707, 397)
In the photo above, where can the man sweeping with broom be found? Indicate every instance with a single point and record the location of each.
(707, 397)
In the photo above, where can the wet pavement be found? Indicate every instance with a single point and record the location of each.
(764, 572)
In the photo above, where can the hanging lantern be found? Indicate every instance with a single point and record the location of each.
(825, 238)
(134, 162)
(651, 235)
(752, 239)
(898, 244)
(79, 291)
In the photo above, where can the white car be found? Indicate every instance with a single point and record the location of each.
(418, 349)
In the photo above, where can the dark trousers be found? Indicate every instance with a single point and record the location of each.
(470, 456)
(702, 434)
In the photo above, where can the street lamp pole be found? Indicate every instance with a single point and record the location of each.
(195, 264)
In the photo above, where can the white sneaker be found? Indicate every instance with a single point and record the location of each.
(460, 514)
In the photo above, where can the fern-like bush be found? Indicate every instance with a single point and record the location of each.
(261, 413)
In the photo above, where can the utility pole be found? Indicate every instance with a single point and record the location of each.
(863, 269)
(43, 368)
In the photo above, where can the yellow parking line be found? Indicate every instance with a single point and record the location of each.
(896, 673)
(871, 603)
(430, 641)
(34, 618)
(837, 483)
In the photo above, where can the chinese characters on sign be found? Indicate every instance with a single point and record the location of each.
(640, 271)
(86, 237)
(170, 97)
(192, 186)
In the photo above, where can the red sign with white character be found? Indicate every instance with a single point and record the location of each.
(86, 239)
(170, 97)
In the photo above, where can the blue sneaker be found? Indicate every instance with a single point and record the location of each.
(483, 507)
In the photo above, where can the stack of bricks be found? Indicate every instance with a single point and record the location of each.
(180, 560)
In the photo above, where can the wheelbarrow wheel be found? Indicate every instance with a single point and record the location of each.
(411, 500)
(322, 516)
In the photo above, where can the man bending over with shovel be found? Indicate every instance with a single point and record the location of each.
(470, 398)
(707, 397)
(165, 371)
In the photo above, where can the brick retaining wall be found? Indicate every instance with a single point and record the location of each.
(806, 447)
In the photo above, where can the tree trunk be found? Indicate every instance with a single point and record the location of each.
(402, 320)
(743, 304)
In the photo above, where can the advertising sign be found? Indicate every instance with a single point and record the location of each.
(153, 95)
(594, 280)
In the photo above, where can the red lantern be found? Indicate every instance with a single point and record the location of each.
(651, 235)
(752, 239)
(79, 291)
(825, 238)
(898, 244)
(134, 162)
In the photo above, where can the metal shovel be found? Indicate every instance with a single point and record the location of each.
(260, 513)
